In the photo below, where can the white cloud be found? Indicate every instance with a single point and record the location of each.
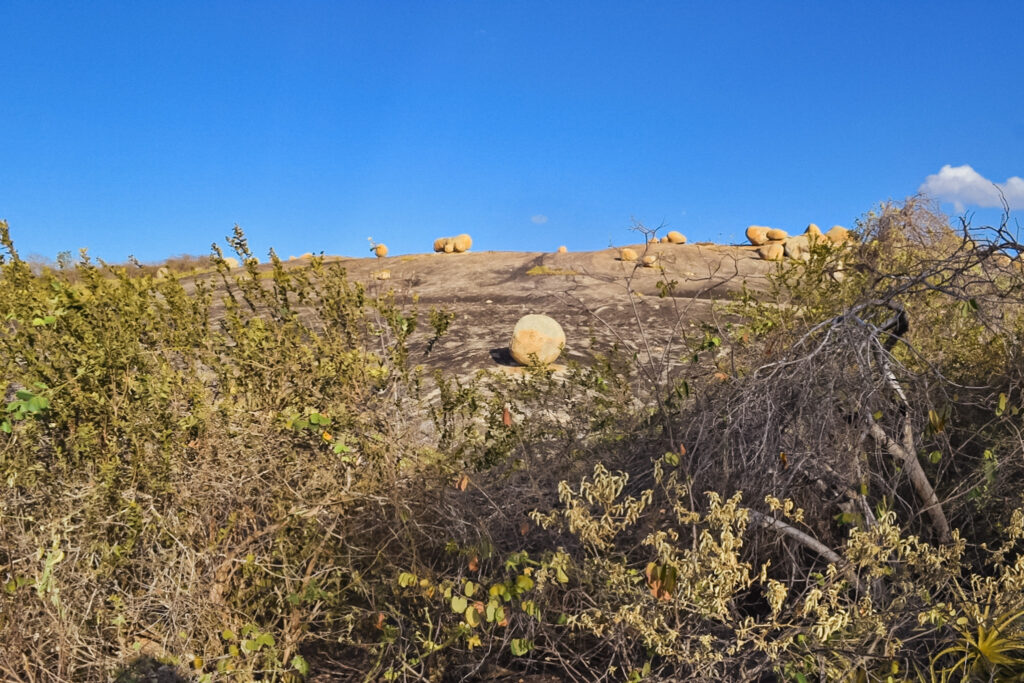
(540, 218)
(963, 186)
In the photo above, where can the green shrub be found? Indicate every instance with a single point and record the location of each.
(244, 474)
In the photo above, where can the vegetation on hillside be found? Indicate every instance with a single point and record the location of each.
(251, 477)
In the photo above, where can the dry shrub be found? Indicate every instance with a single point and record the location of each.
(247, 475)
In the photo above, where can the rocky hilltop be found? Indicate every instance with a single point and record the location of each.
(586, 292)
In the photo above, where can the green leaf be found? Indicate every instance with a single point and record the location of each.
(37, 404)
(251, 645)
(469, 589)
(300, 664)
(472, 616)
(935, 456)
(1001, 408)
(459, 604)
(524, 583)
(494, 612)
(530, 608)
(405, 579)
(520, 646)
(671, 458)
(227, 634)
(877, 415)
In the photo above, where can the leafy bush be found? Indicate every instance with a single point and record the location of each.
(245, 474)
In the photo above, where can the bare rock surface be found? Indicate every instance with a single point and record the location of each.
(586, 292)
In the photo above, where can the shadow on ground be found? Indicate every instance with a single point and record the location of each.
(146, 669)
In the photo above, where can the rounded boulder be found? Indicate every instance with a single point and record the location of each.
(537, 337)
(757, 235)
(798, 247)
(838, 235)
(772, 251)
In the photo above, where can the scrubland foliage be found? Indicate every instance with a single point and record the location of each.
(246, 475)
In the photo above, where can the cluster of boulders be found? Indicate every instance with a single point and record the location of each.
(453, 245)
(673, 237)
(651, 260)
(774, 244)
(647, 260)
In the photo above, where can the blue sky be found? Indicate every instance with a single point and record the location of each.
(152, 128)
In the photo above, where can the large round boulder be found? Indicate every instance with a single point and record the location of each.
(676, 237)
(838, 235)
(757, 234)
(536, 338)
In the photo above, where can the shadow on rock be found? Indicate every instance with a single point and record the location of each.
(503, 356)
